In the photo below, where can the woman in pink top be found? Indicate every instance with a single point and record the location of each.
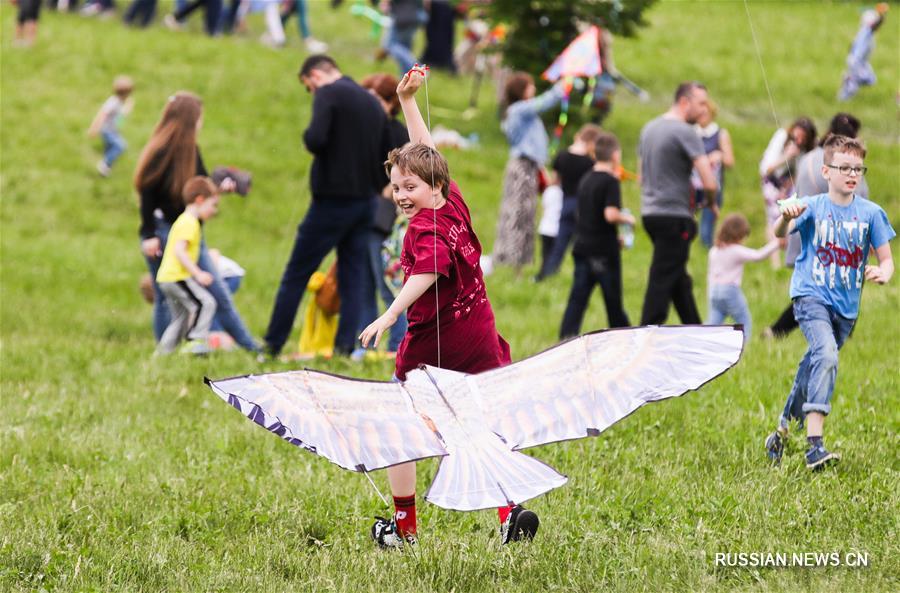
(726, 267)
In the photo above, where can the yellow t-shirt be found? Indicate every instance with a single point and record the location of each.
(186, 228)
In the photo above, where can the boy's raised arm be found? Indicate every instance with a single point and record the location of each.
(406, 91)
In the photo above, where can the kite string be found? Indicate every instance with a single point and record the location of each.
(765, 80)
(322, 410)
(437, 307)
(377, 491)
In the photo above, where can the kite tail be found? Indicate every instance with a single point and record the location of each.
(484, 475)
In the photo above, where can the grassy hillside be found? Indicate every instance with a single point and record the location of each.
(121, 472)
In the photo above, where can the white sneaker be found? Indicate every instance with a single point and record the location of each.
(103, 169)
(172, 23)
(315, 46)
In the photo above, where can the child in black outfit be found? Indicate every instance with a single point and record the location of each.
(596, 249)
(569, 166)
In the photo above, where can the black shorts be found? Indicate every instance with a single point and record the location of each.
(29, 10)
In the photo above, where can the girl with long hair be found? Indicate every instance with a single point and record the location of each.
(778, 168)
(171, 157)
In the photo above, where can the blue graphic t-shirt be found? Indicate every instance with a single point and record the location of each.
(836, 241)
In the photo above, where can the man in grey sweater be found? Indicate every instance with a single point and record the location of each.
(669, 150)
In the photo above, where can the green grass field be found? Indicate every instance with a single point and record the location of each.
(119, 472)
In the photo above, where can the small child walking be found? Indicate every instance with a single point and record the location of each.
(726, 269)
(837, 229)
(569, 167)
(107, 121)
(548, 227)
(597, 251)
(180, 278)
(451, 322)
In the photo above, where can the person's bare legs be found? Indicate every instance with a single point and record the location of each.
(402, 479)
(30, 29)
(815, 424)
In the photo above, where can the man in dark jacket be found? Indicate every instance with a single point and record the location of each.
(348, 140)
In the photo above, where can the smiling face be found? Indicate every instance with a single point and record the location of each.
(412, 193)
(843, 184)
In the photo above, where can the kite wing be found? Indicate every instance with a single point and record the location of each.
(358, 425)
(585, 385)
(580, 58)
(478, 423)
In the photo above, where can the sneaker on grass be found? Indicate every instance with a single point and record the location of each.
(819, 457)
(195, 347)
(520, 524)
(386, 535)
(775, 447)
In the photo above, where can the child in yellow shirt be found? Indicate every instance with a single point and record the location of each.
(180, 278)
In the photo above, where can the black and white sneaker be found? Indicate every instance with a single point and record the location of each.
(520, 524)
(387, 536)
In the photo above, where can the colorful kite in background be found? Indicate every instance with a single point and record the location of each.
(581, 59)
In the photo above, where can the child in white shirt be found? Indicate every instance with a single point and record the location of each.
(725, 270)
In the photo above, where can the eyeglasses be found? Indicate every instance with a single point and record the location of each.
(847, 169)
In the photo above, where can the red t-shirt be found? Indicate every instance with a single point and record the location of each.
(443, 241)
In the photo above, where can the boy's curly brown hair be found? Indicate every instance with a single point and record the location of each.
(424, 162)
(734, 229)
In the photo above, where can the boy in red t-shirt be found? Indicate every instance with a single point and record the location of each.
(451, 323)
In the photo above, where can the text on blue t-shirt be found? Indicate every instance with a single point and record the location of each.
(835, 245)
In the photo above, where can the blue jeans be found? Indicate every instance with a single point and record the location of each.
(212, 9)
(161, 316)
(140, 12)
(113, 146)
(226, 314)
(727, 300)
(557, 253)
(399, 45)
(707, 220)
(375, 279)
(233, 283)
(591, 271)
(825, 332)
(341, 223)
(298, 6)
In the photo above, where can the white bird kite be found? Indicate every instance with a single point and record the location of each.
(479, 423)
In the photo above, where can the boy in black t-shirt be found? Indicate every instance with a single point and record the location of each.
(569, 166)
(596, 249)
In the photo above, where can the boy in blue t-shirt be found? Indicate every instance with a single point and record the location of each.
(837, 230)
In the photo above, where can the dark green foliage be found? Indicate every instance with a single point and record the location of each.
(540, 29)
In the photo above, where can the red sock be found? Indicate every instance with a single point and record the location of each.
(405, 514)
(503, 513)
